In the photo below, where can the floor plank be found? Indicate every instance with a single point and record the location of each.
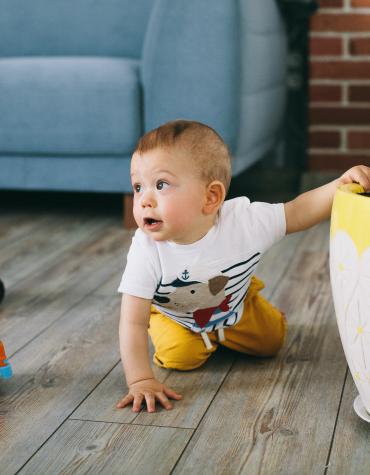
(350, 453)
(95, 448)
(277, 258)
(198, 388)
(110, 286)
(16, 225)
(35, 302)
(286, 405)
(44, 245)
(53, 374)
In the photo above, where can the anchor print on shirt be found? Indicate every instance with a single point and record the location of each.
(187, 295)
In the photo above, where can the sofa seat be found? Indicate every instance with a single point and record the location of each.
(69, 105)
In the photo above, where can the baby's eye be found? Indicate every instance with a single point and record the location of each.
(161, 185)
(137, 188)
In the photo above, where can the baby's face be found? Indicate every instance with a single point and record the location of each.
(168, 196)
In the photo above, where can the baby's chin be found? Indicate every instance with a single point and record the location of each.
(155, 235)
(164, 235)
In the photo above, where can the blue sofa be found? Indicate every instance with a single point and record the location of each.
(81, 80)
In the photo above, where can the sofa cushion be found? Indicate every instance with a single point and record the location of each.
(69, 105)
(69, 27)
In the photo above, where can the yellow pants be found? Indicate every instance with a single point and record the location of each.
(260, 332)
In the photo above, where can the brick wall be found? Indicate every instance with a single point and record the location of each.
(339, 85)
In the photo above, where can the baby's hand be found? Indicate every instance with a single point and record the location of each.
(150, 390)
(359, 174)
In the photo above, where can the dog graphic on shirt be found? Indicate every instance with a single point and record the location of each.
(187, 296)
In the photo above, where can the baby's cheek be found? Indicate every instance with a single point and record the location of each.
(183, 221)
(175, 212)
(136, 214)
(179, 212)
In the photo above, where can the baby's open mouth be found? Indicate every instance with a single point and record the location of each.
(151, 221)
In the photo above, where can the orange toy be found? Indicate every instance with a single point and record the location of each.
(5, 368)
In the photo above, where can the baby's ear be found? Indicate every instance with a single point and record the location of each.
(215, 196)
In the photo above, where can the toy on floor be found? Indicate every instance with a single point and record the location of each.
(5, 368)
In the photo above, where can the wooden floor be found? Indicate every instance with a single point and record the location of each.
(287, 415)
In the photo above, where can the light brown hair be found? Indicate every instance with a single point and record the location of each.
(204, 145)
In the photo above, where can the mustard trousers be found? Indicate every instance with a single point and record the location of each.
(260, 332)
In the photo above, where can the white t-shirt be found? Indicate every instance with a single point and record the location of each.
(202, 285)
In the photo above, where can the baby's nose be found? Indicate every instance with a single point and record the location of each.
(147, 200)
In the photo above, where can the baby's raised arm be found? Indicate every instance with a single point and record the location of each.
(315, 205)
(133, 337)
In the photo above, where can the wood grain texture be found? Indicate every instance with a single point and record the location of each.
(198, 388)
(39, 299)
(16, 225)
(95, 448)
(53, 374)
(350, 453)
(272, 267)
(43, 245)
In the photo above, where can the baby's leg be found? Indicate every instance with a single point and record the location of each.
(175, 346)
(262, 328)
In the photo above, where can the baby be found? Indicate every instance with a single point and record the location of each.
(189, 279)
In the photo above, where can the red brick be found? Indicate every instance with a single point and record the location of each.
(340, 22)
(336, 161)
(340, 70)
(360, 3)
(325, 93)
(359, 46)
(324, 139)
(331, 3)
(359, 93)
(358, 139)
(339, 116)
(326, 46)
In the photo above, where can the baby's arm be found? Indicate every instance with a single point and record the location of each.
(315, 205)
(133, 336)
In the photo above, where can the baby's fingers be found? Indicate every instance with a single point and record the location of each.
(359, 174)
(125, 401)
(162, 398)
(171, 393)
(150, 402)
(364, 178)
(138, 400)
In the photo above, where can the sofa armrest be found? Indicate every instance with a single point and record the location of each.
(222, 62)
(190, 66)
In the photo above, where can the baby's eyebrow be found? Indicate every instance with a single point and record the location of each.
(165, 171)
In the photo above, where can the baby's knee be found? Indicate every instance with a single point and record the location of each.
(271, 347)
(181, 356)
(176, 347)
(274, 340)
